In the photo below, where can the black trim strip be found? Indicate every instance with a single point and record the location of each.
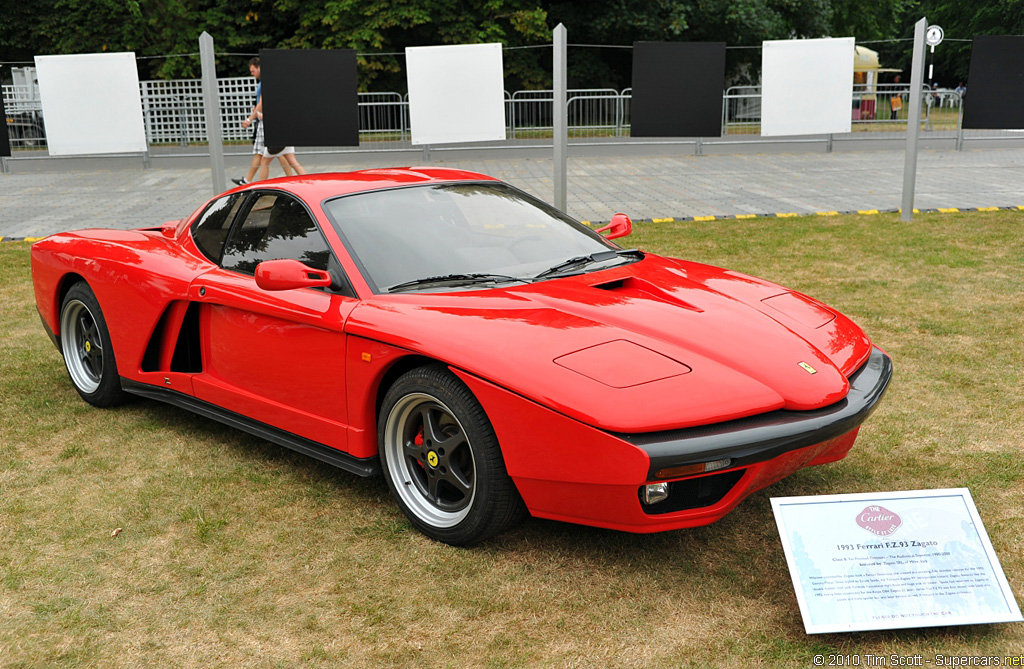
(53, 338)
(332, 456)
(763, 437)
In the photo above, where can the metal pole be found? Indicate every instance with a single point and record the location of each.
(960, 124)
(214, 131)
(561, 120)
(913, 122)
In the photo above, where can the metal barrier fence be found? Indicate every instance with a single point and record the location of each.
(24, 117)
(878, 111)
(173, 116)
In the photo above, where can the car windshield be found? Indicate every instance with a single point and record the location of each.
(462, 235)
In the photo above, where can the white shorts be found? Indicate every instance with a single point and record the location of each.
(268, 154)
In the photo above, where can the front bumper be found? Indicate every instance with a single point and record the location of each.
(580, 474)
(759, 438)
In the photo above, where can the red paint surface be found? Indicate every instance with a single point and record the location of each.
(655, 345)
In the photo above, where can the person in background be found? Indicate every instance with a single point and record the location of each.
(284, 154)
(255, 119)
(896, 99)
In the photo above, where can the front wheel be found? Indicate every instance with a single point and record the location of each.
(442, 461)
(85, 345)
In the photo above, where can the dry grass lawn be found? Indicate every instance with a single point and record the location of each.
(234, 552)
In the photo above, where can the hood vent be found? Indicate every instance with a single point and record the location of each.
(610, 285)
(638, 288)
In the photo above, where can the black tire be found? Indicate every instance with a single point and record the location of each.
(85, 345)
(442, 461)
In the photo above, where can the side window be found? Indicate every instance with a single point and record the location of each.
(211, 229)
(276, 226)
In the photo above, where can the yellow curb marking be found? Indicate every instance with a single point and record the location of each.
(867, 212)
(663, 220)
(948, 211)
(703, 218)
(827, 213)
(788, 215)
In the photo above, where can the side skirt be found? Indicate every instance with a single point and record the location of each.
(359, 466)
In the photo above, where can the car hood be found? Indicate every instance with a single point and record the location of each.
(654, 345)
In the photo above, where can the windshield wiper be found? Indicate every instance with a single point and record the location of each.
(580, 261)
(455, 279)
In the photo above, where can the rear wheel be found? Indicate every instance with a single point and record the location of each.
(85, 345)
(442, 461)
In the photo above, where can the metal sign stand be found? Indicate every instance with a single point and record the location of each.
(214, 131)
(561, 119)
(913, 122)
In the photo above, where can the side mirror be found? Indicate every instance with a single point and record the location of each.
(287, 274)
(169, 229)
(620, 226)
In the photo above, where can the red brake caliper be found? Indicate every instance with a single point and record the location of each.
(418, 440)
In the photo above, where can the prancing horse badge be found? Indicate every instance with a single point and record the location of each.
(807, 368)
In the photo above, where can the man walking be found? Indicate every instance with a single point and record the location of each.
(255, 119)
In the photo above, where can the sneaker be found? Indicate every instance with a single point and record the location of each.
(240, 182)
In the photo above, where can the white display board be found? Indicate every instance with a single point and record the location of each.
(456, 93)
(894, 560)
(807, 86)
(91, 104)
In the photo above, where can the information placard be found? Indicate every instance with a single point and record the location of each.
(806, 86)
(456, 93)
(91, 104)
(872, 561)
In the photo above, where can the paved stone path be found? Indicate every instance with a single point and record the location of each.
(37, 199)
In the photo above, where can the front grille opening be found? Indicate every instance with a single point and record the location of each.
(695, 493)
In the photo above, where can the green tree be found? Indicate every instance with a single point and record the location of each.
(961, 22)
(164, 34)
(380, 29)
(738, 23)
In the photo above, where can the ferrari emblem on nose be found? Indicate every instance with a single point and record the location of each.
(807, 368)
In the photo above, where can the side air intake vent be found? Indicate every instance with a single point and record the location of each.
(178, 327)
(188, 357)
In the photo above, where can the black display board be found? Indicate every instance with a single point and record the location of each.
(310, 97)
(995, 84)
(5, 141)
(677, 89)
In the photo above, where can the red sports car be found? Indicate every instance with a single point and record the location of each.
(487, 353)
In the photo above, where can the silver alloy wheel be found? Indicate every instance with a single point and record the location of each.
(82, 346)
(430, 460)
